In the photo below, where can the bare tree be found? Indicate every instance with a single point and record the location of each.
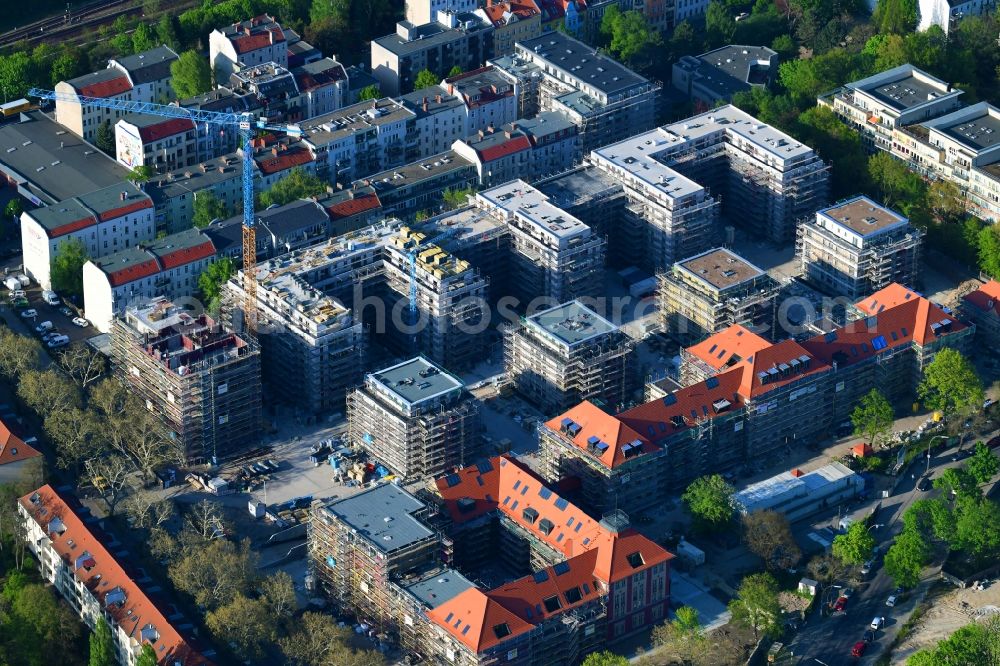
(278, 591)
(83, 363)
(110, 399)
(147, 510)
(148, 444)
(204, 520)
(18, 353)
(769, 536)
(75, 433)
(48, 391)
(110, 476)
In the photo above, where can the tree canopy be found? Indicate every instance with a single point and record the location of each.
(207, 207)
(855, 545)
(769, 536)
(212, 279)
(298, 184)
(907, 557)
(950, 383)
(369, 92)
(67, 267)
(873, 417)
(425, 79)
(190, 75)
(756, 605)
(983, 465)
(709, 500)
(605, 658)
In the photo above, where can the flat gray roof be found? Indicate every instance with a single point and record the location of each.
(417, 380)
(86, 205)
(545, 124)
(148, 66)
(731, 69)
(519, 200)
(978, 133)
(58, 164)
(483, 84)
(582, 62)
(440, 587)
(406, 175)
(430, 35)
(351, 119)
(720, 268)
(571, 323)
(437, 101)
(863, 216)
(578, 186)
(384, 515)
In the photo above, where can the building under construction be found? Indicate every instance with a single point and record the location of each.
(478, 237)
(711, 291)
(553, 255)
(415, 418)
(767, 180)
(201, 379)
(567, 354)
(857, 247)
(436, 302)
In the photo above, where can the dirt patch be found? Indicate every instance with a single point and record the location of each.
(949, 612)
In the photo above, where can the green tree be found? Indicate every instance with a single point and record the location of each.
(102, 646)
(458, 198)
(756, 606)
(212, 279)
(683, 41)
(369, 92)
(989, 251)
(141, 174)
(143, 38)
(709, 500)
(972, 644)
(14, 208)
(977, 526)
(298, 184)
(69, 64)
(216, 572)
(785, 46)
(147, 657)
(873, 417)
(455, 71)
(605, 658)
(906, 558)
(245, 622)
(957, 481)
(425, 79)
(18, 72)
(167, 33)
(950, 383)
(719, 24)
(837, 143)
(630, 33)
(207, 207)
(321, 10)
(983, 465)
(67, 267)
(855, 545)
(896, 16)
(105, 138)
(681, 637)
(190, 75)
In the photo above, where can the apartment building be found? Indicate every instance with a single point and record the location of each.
(143, 77)
(708, 357)
(568, 354)
(947, 13)
(275, 88)
(714, 290)
(213, 141)
(276, 158)
(526, 148)
(553, 255)
(174, 192)
(198, 377)
(419, 12)
(576, 583)
(513, 21)
(17, 456)
(440, 119)
(767, 180)
(418, 187)
(247, 44)
(878, 104)
(353, 209)
(167, 266)
(163, 144)
(980, 307)
(105, 221)
(616, 466)
(605, 100)
(479, 237)
(323, 87)
(439, 302)
(75, 557)
(714, 77)
(416, 418)
(562, 15)
(598, 199)
(490, 98)
(858, 247)
(454, 39)
(686, 10)
(280, 229)
(47, 165)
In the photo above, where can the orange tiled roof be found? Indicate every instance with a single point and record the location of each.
(134, 272)
(70, 227)
(187, 255)
(888, 297)
(102, 574)
(791, 359)
(594, 422)
(287, 159)
(986, 298)
(12, 448)
(353, 206)
(509, 147)
(478, 621)
(122, 211)
(728, 347)
(110, 88)
(168, 127)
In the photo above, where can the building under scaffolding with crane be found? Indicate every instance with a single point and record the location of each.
(199, 378)
(415, 418)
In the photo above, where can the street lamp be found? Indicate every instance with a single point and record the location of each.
(929, 445)
(875, 526)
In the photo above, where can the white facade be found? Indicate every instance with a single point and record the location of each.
(945, 14)
(419, 12)
(164, 145)
(254, 42)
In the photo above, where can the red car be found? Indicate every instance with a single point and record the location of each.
(838, 606)
(859, 648)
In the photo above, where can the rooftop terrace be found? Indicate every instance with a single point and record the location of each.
(416, 381)
(571, 323)
(719, 268)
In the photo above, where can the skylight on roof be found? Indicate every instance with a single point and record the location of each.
(501, 630)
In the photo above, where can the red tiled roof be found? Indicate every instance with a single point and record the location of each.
(168, 127)
(70, 227)
(728, 347)
(509, 147)
(310, 81)
(353, 206)
(288, 159)
(257, 39)
(187, 255)
(592, 552)
(523, 10)
(122, 211)
(109, 88)
(594, 422)
(771, 357)
(12, 448)
(888, 297)
(986, 298)
(138, 616)
(134, 272)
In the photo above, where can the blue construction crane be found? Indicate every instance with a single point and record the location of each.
(246, 124)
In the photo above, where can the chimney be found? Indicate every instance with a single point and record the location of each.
(276, 149)
(491, 129)
(481, 134)
(246, 31)
(425, 105)
(451, 88)
(124, 196)
(437, 99)
(513, 126)
(507, 134)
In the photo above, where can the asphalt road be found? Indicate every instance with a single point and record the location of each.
(829, 640)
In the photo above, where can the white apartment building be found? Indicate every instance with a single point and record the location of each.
(94, 583)
(440, 119)
(149, 73)
(162, 143)
(490, 98)
(323, 87)
(419, 12)
(105, 221)
(947, 13)
(169, 266)
(252, 42)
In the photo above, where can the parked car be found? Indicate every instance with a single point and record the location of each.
(50, 297)
(48, 335)
(58, 341)
(20, 303)
(859, 649)
(840, 605)
(29, 313)
(877, 623)
(66, 311)
(925, 484)
(44, 327)
(867, 567)
(891, 601)
(81, 322)
(17, 293)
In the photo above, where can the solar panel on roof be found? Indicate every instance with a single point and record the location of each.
(578, 526)
(561, 504)
(506, 500)
(452, 480)
(830, 337)
(712, 350)
(561, 567)
(586, 541)
(559, 538)
(712, 382)
(669, 399)
(722, 352)
(517, 484)
(569, 523)
(903, 331)
(879, 343)
(484, 466)
(479, 480)
(544, 492)
(514, 505)
(448, 617)
(540, 576)
(524, 489)
(465, 629)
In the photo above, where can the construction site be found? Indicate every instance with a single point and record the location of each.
(712, 291)
(857, 247)
(567, 354)
(415, 418)
(201, 379)
(438, 302)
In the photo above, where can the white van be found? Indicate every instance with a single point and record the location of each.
(23, 279)
(50, 297)
(11, 283)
